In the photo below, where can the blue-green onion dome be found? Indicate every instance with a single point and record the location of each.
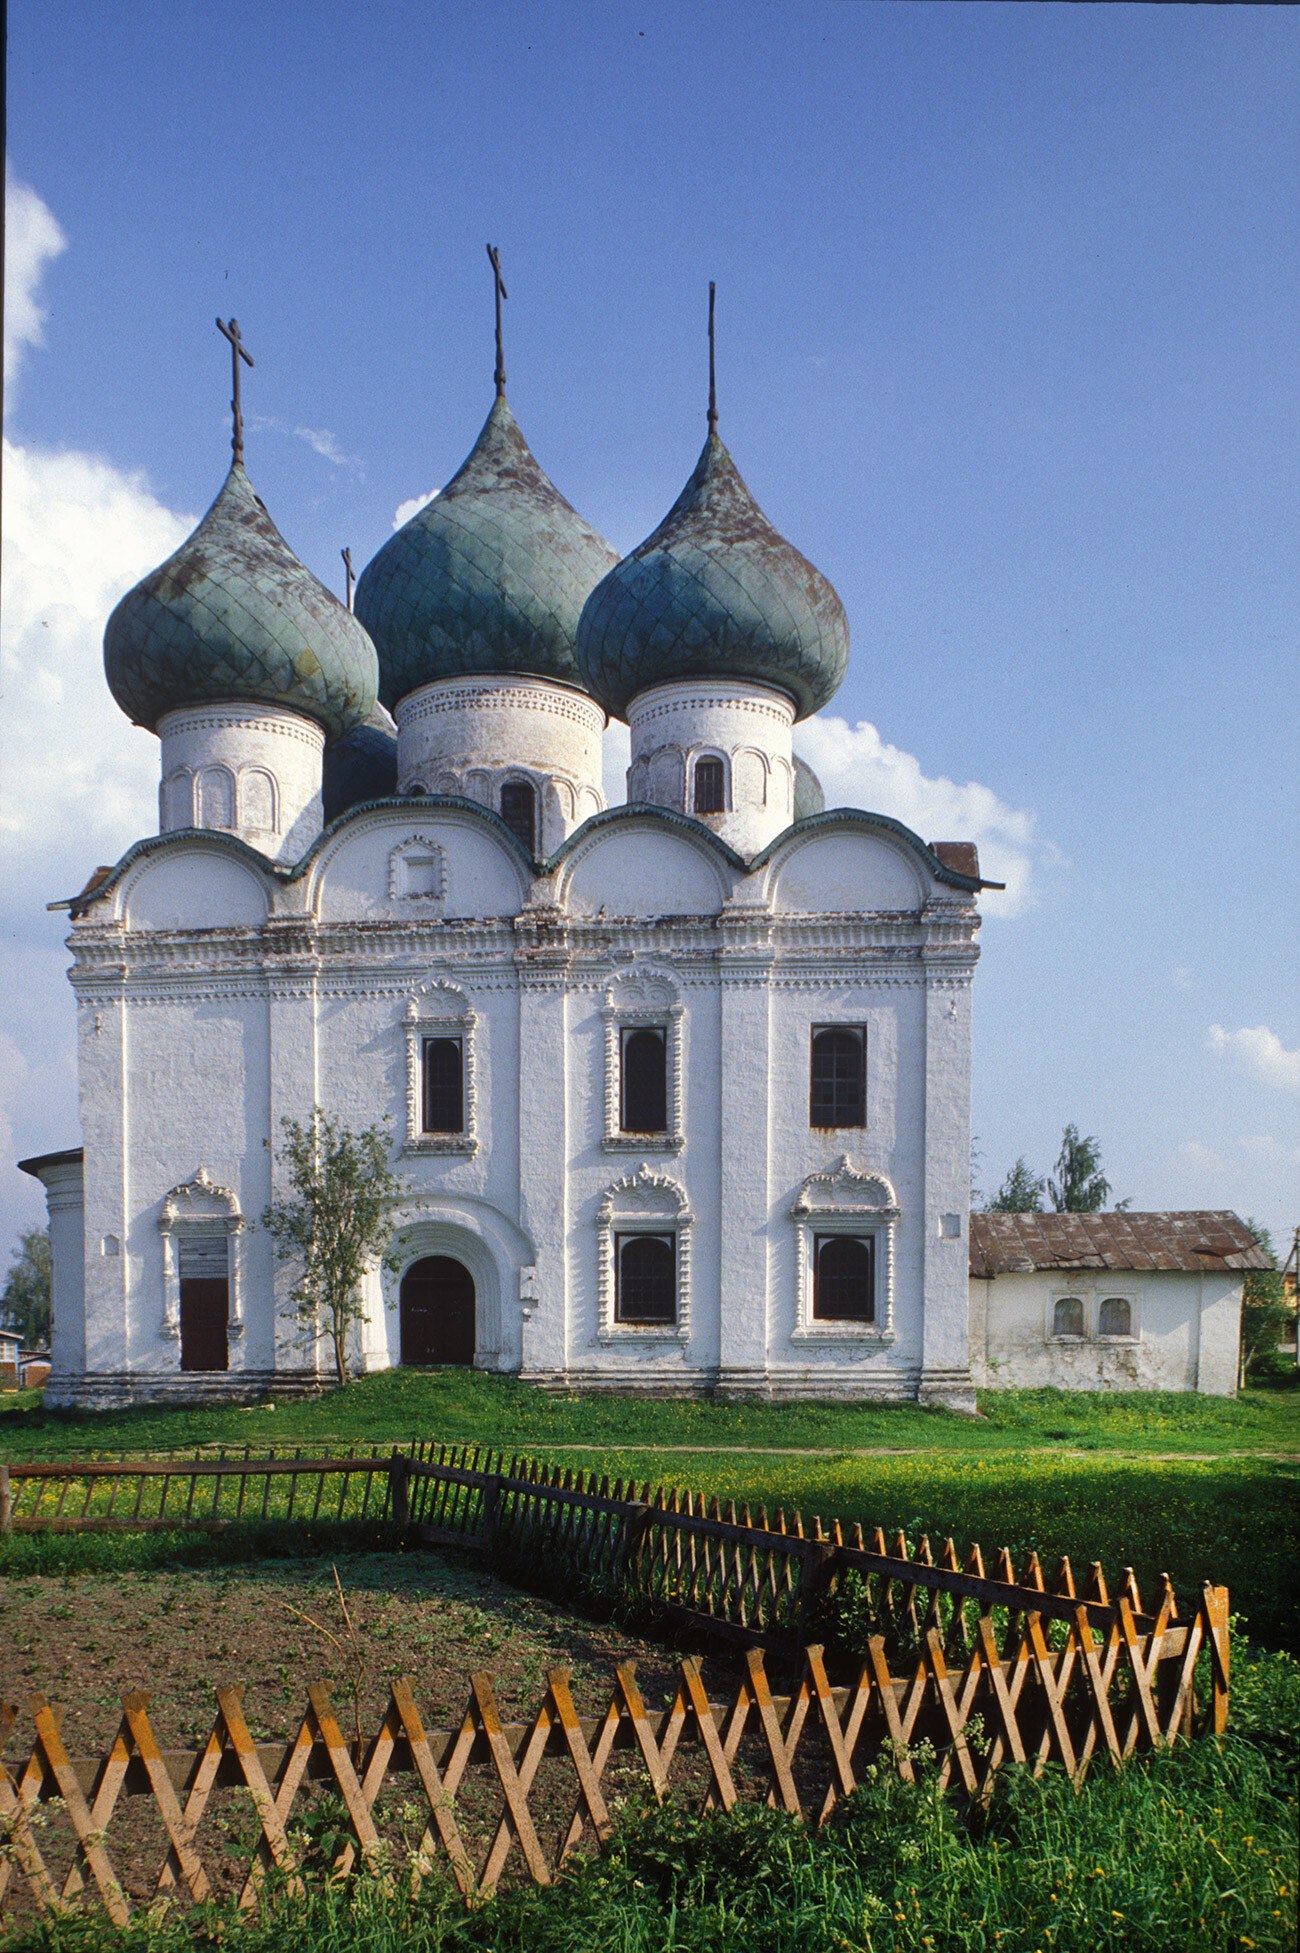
(234, 617)
(491, 575)
(809, 799)
(360, 766)
(715, 592)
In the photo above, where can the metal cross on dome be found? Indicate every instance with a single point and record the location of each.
(494, 257)
(237, 353)
(713, 390)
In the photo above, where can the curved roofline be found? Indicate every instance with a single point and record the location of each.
(860, 818)
(212, 836)
(609, 816)
(409, 803)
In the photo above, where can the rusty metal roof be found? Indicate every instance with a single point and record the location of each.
(715, 592)
(1014, 1244)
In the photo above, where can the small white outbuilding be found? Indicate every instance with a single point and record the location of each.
(1108, 1301)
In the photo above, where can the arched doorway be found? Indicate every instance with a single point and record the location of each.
(437, 1312)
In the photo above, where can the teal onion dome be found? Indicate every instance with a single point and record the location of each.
(490, 576)
(715, 592)
(234, 617)
(360, 766)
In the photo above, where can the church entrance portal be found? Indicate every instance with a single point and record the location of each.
(437, 1312)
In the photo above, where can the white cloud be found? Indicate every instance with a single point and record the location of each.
(32, 238)
(1260, 1052)
(323, 443)
(858, 769)
(407, 509)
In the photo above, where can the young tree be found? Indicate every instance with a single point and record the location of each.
(338, 1221)
(1080, 1186)
(25, 1303)
(1020, 1193)
(1264, 1311)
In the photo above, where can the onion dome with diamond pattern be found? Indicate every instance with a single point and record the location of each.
(360, 766)
(234, 617)
(715, 592)
(490, 576)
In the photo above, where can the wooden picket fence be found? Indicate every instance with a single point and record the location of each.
(199, 1491)
(1107, 1693)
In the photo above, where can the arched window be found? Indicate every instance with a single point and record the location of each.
(444, 1085)
(645, 1080)
(839, 1076)
(257, 800)
(646, 1278)
(1116, 1318)
(844, 1288)
(1067, 1317)
(710, 786)
(216, 797)
(519, 811)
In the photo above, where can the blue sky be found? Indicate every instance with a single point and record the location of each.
(1007, 303)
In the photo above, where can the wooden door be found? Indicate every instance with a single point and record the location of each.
(205, 1307)
(437, 1312)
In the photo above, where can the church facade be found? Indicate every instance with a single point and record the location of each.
(679, 1090)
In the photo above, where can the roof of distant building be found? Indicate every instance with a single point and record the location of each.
(1015, 1244)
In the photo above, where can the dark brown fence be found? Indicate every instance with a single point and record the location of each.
(1014, 1700)
(201, 1490)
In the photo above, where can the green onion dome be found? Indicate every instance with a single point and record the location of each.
(234, 617)
(490, 576)
(715, 592)
(360, 766)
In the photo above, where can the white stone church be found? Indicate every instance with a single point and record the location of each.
(679, 1089)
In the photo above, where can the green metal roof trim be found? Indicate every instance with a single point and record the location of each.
(234, 617)
(412, 804)
(491, 575)
(867, 823)
(633, 809)
(715, 592)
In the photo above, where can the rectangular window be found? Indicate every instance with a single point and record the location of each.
(645, 1278)
(444, 1085)
(644, 1098)
(844, 1278)
(838, 1095)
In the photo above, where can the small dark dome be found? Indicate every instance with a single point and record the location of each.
(234, 617)
(491, 575)
(360, 766)
(809, 798)
(715, 592)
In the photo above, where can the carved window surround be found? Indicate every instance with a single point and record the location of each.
(200, 1207)
(417, 871)
(439, 1010)
(844, 1200)
(643, 1202)
(643, 996)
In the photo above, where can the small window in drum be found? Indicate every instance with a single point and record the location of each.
(710, 786)
(519, 810)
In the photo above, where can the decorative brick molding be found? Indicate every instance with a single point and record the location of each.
(646, 995)
(644, 1202)
(845, 1200)
(439, 1009)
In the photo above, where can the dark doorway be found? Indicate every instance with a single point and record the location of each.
(437, 1312)
(205, 1307)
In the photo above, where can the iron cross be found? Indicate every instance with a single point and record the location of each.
(236, 354)
(494, 257)
(713, 391)
(346, 554)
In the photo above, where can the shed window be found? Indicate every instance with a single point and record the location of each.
(1116, 1318)
(1067, 1317)
(519, 810)
(710, 786)
(645, 1080)
(646, 1279)
(844, 1278)
(444, 1085)
(839, 1076)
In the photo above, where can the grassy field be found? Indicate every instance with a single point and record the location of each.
(459, 1405)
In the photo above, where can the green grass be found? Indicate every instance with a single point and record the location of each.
(457, 1405)
(1190, 1852)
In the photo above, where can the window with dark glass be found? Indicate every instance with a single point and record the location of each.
(444, 1085)
(1067, 1317)
(645, 1080)
(1116, 1317)
(519, 810)
(645, 1284)
(839, 1076)
(710, 786)
(844, 1278)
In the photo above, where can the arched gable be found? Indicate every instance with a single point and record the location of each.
(422, 857)
(638, 862)
(851, 861)
(189, 880)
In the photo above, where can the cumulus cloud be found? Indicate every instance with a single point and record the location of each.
(857, 768)
(1260, 1052)
(406, 510)
(322, 442)
(32, 238)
